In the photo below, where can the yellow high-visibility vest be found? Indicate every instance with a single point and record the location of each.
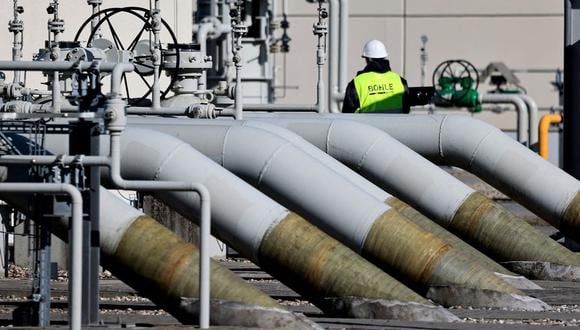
(379, 92)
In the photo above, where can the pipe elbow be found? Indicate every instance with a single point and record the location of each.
(461, 137)
(543, 132)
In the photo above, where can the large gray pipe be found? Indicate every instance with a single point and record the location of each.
(281, 242)
(289, 247)
(364, 223)
(358, 180)
(485, 151)
(397, 169)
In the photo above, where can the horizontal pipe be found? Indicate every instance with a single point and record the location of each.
(544, 130)
(281, 107)
(56, 66)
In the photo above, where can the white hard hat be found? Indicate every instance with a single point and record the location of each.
(375, 49)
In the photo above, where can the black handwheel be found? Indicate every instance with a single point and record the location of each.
(143, 63)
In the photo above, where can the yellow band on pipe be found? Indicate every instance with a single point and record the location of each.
(543, 129)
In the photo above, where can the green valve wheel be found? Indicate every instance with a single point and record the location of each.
(456, 83)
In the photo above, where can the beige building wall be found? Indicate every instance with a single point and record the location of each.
(525, 34)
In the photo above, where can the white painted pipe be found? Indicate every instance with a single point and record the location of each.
(243, 223)
(76, 278)
(333, 57)
(266, 163)
(532, 119)
(521, 108)
(387, 162)
(343, 47)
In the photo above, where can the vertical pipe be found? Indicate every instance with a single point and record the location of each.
(343, 55)
(571, 86)
(75, 284)
(320, 30)
(204, 266)
(334, 22)
(16, 26)
(544, 130)
(532, 119)
(521, 109)
(156, 51)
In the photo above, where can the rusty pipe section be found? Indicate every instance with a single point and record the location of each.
(153, 260)
(422, 221)
(293, 177)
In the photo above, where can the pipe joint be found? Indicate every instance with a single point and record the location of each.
(115, 118)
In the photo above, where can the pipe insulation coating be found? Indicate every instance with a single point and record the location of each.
(267, 167)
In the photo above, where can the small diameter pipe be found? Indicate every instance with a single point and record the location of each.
(343, 47)
(156, 52)
(321, 30)
(113, 162)
(333, 58)
(521, 108)
(281, 107)
(544, 130)
(532, 119)
(75, 284)
(122, 231)
(205, 222)
(16, 26)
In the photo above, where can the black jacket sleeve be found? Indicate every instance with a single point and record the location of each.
(351, 101)
(406, 97)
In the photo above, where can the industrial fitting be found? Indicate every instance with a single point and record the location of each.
(239, 29)
(201, 111)
(320, 29)
(16, 107)
(115, 117)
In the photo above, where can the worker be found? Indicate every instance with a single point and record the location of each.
(376, 88)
